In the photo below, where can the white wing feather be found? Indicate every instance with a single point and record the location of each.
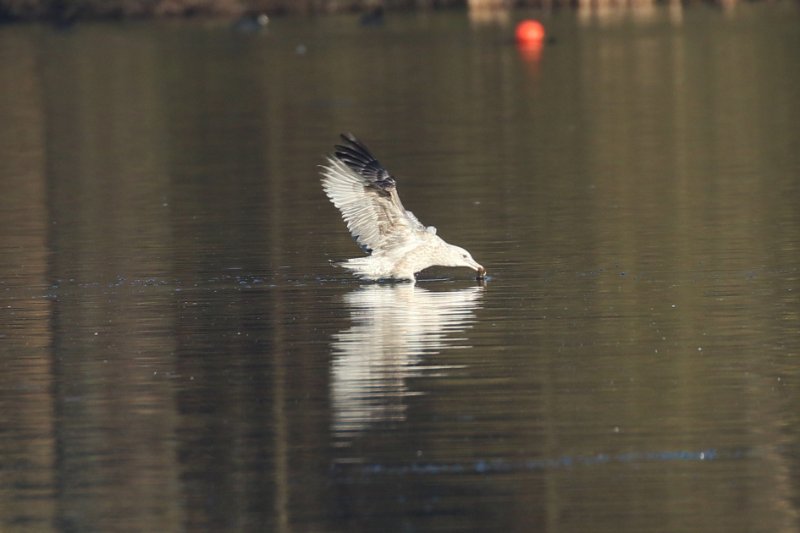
(374, 215)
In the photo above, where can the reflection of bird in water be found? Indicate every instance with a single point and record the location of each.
(398, 244)
(394, 326)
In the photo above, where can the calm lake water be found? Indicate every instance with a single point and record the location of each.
(178, 353)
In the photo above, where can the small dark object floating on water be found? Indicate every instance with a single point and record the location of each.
(373, 17)
(251, 23)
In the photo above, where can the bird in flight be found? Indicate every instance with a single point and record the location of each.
(398, 244)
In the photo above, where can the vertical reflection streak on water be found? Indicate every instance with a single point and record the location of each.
(281, 454)
(701, 217)
(394, 331)
(279, 363)
(27, 410)
(112, 346)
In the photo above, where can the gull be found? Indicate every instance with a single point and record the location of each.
(398, 244)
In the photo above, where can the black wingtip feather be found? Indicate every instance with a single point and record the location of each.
(358, 157)
(349, 137)
(355, 149)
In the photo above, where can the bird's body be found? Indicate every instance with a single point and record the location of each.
(403, 261)
(399, 245)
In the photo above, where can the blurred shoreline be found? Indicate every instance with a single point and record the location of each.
(68, 11)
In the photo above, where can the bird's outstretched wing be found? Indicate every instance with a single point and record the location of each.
(366, 194)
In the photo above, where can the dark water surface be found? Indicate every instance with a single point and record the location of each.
(178, 354)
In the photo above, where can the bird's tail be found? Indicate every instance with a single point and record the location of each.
(359, 266)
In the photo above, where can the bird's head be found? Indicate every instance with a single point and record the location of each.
(459, 257)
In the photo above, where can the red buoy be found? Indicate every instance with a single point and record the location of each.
(529, 32)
